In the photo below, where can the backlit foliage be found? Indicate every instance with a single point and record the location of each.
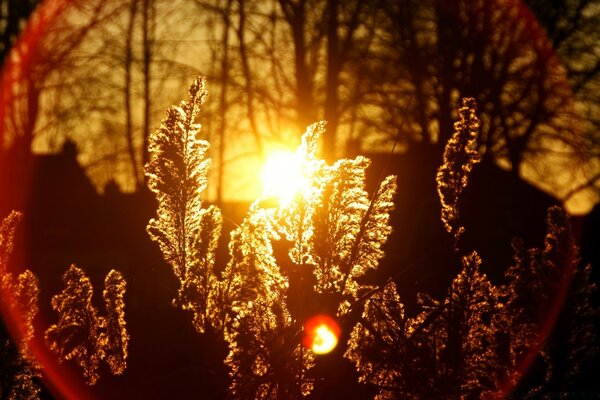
(547, 286)
(335, 228)
(81, 333)
(447, 349)
(325, 238)
(535, 333)
(289, 259)
(304, 255)
(115, 335)
(460, 155)
(186, 232)
(19, 304)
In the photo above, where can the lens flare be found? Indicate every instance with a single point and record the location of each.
(321, 334)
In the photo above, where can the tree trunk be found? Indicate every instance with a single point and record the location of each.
(295, 15)
(332, 80)
(223, 105)
(128, 92)
(148, 15)
(248, 78)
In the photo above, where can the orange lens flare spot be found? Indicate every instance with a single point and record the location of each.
(321, 334)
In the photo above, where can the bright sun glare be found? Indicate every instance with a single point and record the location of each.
(282, 175)
(321, 334)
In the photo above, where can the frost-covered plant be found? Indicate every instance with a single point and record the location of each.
(481, 340)
(185, 230)
(460, 155)
(446, 350)
(298, 257)
(287, 261)
(548, 314)
(335, 228)
(81, 333)
(114, 332)
(333, 232)
(19, 304)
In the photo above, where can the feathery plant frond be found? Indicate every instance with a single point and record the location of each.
(186, 232)
(584, 323)
(26, 294)
(460, 155)
(252, 272)
(22, 294)
(334, 227)
(7, 235)
(472, 349)
(76, 335)
(371, 234)
(548, 289)
(294, 220)
(266, 358)
(81, 333)
(376, 342)
(24, 387)
(441, 351)
(115, 337)
(19, 299)
(481, 338)
(334, 233)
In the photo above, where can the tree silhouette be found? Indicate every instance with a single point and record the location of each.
(496, 52)
(33, 69)
(571, 26)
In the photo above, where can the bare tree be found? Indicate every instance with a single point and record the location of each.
(572, 28)
(127, 88)
(112, 86)
(433, 53)
(52, 36)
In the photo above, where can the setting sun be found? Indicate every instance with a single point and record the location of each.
(321, 334)
(282, 175)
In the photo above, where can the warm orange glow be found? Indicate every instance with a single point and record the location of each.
(321, 334)
(282, 175)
